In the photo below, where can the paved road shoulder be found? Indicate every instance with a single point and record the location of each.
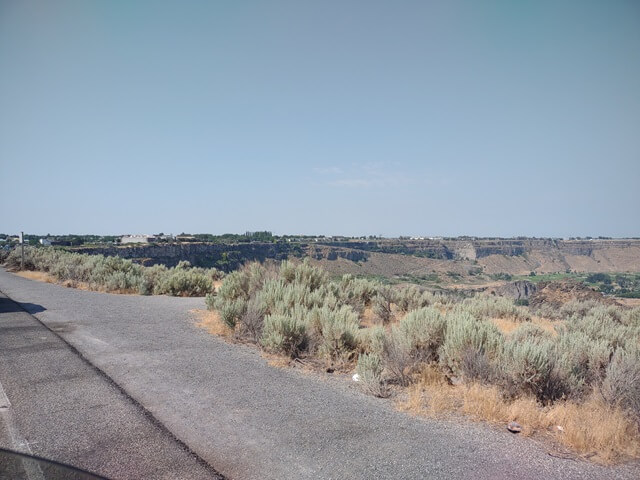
(56, 405)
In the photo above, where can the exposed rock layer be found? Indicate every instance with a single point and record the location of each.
(514, 256)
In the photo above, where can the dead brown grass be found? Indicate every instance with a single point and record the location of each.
(628, 302)
(277, 361)
(368, 318)
(430, 394)
(595, 428)
(37, 276)
(508, 325)
(48, 278)
(210, 320)
(505, 325)
(591, 429)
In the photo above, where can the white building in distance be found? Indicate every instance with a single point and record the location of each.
(137, 239)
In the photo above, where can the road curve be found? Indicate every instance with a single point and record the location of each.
(252, 421)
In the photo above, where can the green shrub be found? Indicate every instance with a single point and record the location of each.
(465, 336)
(530, 332)
(252, 320)
(631, 318)
(487, 307)
(294, 309)
(579, 308)
(303, 274)
(424, 331)
(371, 340)
(184, 282)
(528, 367)
(234, 286)
(231, 312)
(478, 366)
(118, 274)
(257, 274)
(382, 303)
(581, 362)
(599, 326)
(284, 334)
(598, 277)
(271, 294)
(357, 292)
(121, 281)
(622, 383)
(210, 301)
(151, 278)
(370, 371)
(335, 331)
(416, 339)
(409, 298)
(396, 354)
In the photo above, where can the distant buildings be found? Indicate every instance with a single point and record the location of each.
(46, 242)
(137, 239)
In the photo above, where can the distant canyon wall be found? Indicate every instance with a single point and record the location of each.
(222, 256)
(520, 256)
(514, 256)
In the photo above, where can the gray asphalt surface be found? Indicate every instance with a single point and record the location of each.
(62, 408)
(251, 421)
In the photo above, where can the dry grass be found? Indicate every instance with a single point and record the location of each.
(37, 276)
(211, 322)
(277, 361)
(368, 318)
(430, 395)
(507, 325)
(592, 429)
(48, 278)
(628, 302)
(547, 324)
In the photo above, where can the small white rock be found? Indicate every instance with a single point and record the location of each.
(560, 427)
(356, 377)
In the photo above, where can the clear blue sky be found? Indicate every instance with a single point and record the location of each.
(321, 117)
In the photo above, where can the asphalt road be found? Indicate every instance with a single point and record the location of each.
(252, 421)
(56, 405)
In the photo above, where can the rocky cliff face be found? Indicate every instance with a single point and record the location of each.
(222, 256)
(514, 256)
(520, 290)
(556, 294)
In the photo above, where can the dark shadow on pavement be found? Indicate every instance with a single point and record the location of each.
(7, 305)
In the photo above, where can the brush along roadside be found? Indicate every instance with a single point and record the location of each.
(112, 274)
(581, 365)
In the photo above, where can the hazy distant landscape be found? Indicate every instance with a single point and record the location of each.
(462, 262)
